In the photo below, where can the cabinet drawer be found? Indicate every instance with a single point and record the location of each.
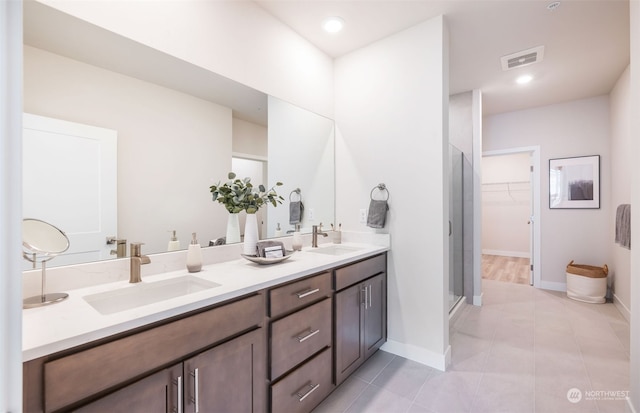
(304, 388)
(299, 335)
(299, 293)
(354, 273)
(78, 376)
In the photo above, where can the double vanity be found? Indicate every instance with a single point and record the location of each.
(235, 337)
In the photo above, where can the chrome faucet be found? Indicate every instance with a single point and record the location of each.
(136, 261)
(315, 231)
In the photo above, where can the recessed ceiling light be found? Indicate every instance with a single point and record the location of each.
(333, 24)
(553, 6)
(524, 79)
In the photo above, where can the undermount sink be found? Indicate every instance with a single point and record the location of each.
(334, 250)
(144, 293)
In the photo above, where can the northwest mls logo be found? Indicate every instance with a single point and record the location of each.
(574, 395)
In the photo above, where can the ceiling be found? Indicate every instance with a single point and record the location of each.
(586, 41)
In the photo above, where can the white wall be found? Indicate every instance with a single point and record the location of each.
(506, 205)
(621, 164)
(236, 39)
(10, 206)
(391, 117)
(634, 382)
(249, 138)
(568, 129)
(191, 140)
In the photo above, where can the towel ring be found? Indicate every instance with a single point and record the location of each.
(380, 187)
(297, 191)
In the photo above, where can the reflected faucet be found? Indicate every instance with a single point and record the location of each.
(136, 261)
(121, 248)
(316, 230)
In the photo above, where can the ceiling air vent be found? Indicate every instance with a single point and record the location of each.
(523, 58)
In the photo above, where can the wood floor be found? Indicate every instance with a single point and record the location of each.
(507, 269)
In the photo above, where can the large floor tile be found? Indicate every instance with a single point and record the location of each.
(403, 377)
(448, 392)
(504, 393)
(374, 366)
(378, 400)
(342, 397)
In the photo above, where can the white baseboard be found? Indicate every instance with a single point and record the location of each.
(518, 254)
(419, 354)
(554, 286)
(624, 310)
(477, 299)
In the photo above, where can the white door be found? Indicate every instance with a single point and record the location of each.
(70, 181)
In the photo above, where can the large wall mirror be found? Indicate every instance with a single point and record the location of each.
(178, 129)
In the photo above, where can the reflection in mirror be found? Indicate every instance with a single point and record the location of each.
(42, 242)
(178, 127)
(301, 156)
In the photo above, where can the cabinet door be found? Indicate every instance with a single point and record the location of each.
(349, 319)
(230, 377)
(158, 392)
(375, 314)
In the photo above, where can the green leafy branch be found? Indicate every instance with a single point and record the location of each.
(239, 195)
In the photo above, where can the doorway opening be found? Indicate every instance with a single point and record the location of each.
(510, 211)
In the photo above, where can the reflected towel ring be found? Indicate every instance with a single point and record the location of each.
(297, 191)
(380, 187)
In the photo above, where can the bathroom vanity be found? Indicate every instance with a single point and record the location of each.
(274, 338)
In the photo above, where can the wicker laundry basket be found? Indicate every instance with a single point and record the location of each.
(587, 283)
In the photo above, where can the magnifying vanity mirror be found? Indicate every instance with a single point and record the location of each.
(174, 128)
(42, 242)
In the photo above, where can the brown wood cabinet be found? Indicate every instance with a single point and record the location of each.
(360, 323)
(67, 381)
(300, 344)
(155, 393)
(218, 380)
(243, 355)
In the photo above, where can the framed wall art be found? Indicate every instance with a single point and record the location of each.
(574, 182)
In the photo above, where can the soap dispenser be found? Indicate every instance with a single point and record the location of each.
(194, 255)
(296, 242)
(174, 244)
(278, 231)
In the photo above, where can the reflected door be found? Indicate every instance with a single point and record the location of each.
(62, 161)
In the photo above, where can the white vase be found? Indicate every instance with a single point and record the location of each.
(233, 229)
(250, 235)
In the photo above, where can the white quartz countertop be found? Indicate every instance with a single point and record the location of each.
(73, 322)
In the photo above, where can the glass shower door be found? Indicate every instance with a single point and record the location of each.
(456, 247)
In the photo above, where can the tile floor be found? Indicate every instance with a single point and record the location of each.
(522, 351)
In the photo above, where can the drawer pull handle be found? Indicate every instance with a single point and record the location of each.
(178, 383)
(311, 388)
(312, 333)
(194, 399)
(307, 293)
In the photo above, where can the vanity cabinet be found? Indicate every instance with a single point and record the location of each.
(216, 380)
(154, 393)
(360, 314)
(280, 349)
(300, 347)
(216, 349)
